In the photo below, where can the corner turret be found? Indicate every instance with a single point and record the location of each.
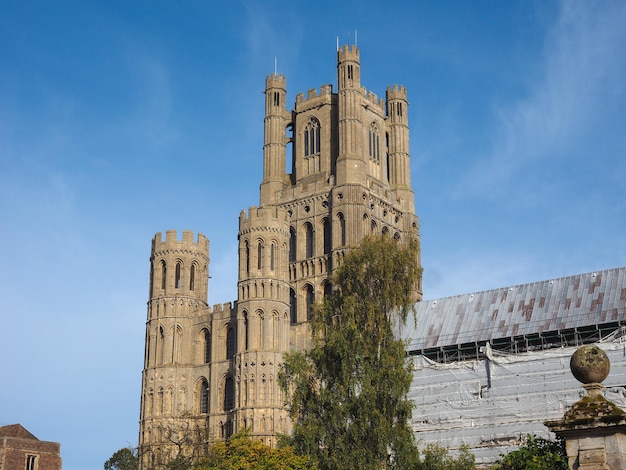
(277, 119)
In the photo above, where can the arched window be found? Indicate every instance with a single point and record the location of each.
(247, 256)
(151, 278)
(262, 327)
(374, 142)
(342, 229)
(246, 333)
(293, 307)
(328, 289)
(161, 346)
(163, 275)
(292, 244)
(230, 342)
(272, 256)
(177, 276)
(327, 234)
(259, 255)
(310, 298)
(177, 344)
(310, 242)
(229, 394)
(192, 277)
(312, 138)
(206, 349)
(160, 402)
(204, 396)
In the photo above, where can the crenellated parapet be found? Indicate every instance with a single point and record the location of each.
(225, 309)
(188, 244)
(396, 92)
(179, 267)
(314, 99)
(348, 53)
(271, 219)
(375, 102)
(274, 80)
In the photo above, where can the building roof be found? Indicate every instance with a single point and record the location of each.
(560, 304)
(16, 430)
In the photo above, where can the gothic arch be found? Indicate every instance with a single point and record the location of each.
(179, 265)
(293, 306)
(230, 341)
(202, 395)
(193, 271)
(163, 265)
(374, 142)
(260, 252)
(177, 344)
(341, 221)
(293, 246)
(228, 395)
(309, 295)
(311, 137)
(262, 325)
(204, 350)
(309, 239)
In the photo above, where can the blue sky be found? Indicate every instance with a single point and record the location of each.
(121, 119)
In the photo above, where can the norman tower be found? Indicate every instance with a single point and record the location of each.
(214, 369)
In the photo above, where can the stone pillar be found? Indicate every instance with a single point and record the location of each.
(594, 428)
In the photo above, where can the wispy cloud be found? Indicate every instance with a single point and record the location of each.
(583, 72)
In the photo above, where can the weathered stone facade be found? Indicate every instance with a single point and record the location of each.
(19, 449)
(214, 369)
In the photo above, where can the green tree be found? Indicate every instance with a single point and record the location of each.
(348, 393)
(536, 454)
(240, 452)
(435, 457)
(123, 459)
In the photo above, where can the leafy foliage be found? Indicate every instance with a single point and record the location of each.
(536, 454)
(240, 452)
(435, 457)
(123, 459)
(348, 393)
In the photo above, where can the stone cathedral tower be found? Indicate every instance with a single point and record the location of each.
(212, 370)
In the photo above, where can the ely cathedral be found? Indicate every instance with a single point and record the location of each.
(213, 370)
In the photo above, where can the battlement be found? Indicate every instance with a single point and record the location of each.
(397, 92)
(225, 308)
(275, 81)
(375, 100)
(325, 91)
(172, 242)
(348, 53)
(262, 216)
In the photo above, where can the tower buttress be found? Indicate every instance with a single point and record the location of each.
(277, 118)
(351, 166)
(398, 151)
(179, 273)
(262, 321)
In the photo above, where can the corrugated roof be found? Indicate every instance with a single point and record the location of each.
(569, 302)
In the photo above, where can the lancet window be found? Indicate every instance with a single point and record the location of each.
(230, 342)
(204, 396)
(229, 394)
(312, 138)
(374, 142)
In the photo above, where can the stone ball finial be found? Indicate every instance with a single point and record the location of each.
(590, 364)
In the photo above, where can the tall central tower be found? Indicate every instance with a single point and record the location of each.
(335, 168)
